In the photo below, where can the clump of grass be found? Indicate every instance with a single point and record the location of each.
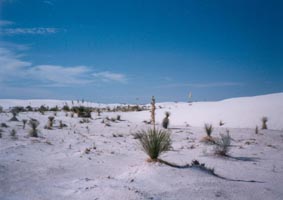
(4, 125)
(154, 142)
(82, 111)
(113, 119)
(24, 123)
(223, 144)
(61, 124)
(33, 123)
(66, 108)
(208, 129)
(14, 113)
(165, 122)
(264, 122)
(50, 122)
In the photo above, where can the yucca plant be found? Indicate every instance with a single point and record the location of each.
(14, 113)
(208, 129)
(153, 108)
(33, 123)
(223, 144)
(154, 142)
(50, 122)
(165, 121)
(264, 122)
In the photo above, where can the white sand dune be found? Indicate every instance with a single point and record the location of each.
(55, 165)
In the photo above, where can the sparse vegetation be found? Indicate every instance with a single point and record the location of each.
(154, 142)
(165, 122)
(264, 122)
(222, 144)
(33, 123)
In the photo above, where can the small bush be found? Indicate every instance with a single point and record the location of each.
(154, 142)
(55, 109)
(264, 122)
(50, 122)
(4, 125)
(29, 108)
(33, 123)
(222, 144)
(165, 122)
(82, 111)
(66, 108)
(14, 113)
(208, 129)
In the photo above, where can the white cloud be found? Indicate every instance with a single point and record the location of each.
(49, 2)
(11, 65)
(5, 22)
(55, 75)
(32, 31)
(15, 71)
(109, 76)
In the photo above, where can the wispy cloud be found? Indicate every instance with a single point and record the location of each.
(5, 22)
(17, 72)
(51, 3)
(110, 76)
(54, 75)
(12, 66)
(32, 31)
(202, 85)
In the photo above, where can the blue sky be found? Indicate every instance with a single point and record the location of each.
(129, 50)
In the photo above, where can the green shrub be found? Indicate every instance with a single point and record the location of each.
(208, 129)
(154, 142)
(264, 122)
(33, 123)
(222, 144)
(82, 111)
(165, 122)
